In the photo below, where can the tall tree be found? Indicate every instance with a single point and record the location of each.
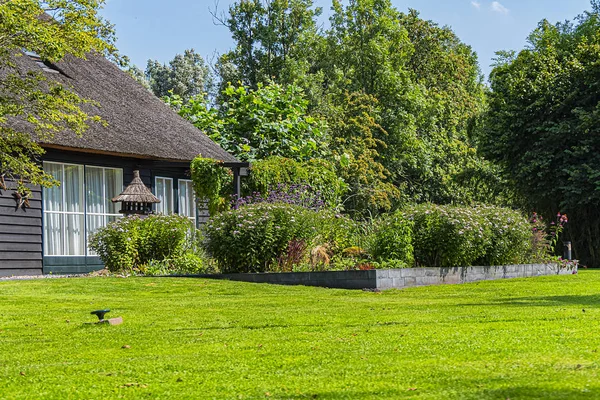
(543, 124)
(51, 29)
(428, 86)
(274, 39)
(186, 75)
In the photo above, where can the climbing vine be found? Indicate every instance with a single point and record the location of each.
(210, 179)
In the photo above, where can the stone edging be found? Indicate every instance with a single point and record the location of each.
(397, 278)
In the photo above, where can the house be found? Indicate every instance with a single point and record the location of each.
(142, 133)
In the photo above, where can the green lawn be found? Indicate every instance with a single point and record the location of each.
(193, 338)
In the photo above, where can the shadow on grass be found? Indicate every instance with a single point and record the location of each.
(541, 301)
(533, 392)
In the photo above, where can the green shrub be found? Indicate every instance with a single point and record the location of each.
(117, 244)
(189, 263)
(336, 231)
(448, 236)
(391, 239)
(511, 234)
(319, 175)
(132, 242)
(251, 238)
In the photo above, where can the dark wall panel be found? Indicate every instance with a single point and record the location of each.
(20, 234)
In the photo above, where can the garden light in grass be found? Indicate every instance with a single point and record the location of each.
(112, 321)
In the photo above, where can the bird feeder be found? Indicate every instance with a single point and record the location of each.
(136, 199)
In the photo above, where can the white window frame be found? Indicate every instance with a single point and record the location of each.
(64, 214)
(83, 208)
(187, 182)
(161, 205)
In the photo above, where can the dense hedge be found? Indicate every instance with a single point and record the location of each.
(450, 236)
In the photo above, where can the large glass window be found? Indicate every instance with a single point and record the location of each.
(187, 199)
(64, 224)
(164, 191)
(79, 206)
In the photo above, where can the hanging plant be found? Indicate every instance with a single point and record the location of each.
(210, 178)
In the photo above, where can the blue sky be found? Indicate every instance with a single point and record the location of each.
(159, 29)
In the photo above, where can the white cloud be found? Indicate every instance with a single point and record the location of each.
(499, 8)
(476, 4)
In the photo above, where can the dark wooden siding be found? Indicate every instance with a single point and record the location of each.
(20, 235)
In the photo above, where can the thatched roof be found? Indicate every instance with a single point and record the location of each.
(140, 125)
(136, 192)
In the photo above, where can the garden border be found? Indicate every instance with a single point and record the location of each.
(383, 279)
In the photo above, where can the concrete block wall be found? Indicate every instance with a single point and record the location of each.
(398, 278)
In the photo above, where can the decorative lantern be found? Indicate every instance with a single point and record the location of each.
(136, 198)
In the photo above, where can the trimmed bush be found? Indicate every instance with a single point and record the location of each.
(511, 234)
(448, 236)
(391, 239)
(251, 238)
(133, 242)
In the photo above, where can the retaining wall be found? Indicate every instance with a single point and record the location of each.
(398, 278)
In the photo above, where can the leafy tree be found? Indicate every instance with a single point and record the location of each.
(255, 124)
(275, 41)
(186, 76)
(428, 87)
(543, 121)
(70, 27)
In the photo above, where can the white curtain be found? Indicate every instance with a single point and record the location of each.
(164, 192)
(94, 183)
(114, 187)
(53, 240)
(73, 203)
(53, 195)
(187, 200)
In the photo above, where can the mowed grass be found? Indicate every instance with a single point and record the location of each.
(194, 338)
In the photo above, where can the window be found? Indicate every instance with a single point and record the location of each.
(101, 185)
(64, 223)
(79, 206)
(164, 191)
(187, 199)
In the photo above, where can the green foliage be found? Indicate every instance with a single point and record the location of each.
(187, 75)
(541, 124)
(210, 182)
(354, 130)
(271, 120)
(392, 239)
(251, 238)
(448, 236)
(451, 236)
(320, 175)
(401, 96)
(133, 242)
(273, 40)
(187, 264)
(76, 29)
(117, 244)
(510, 236)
